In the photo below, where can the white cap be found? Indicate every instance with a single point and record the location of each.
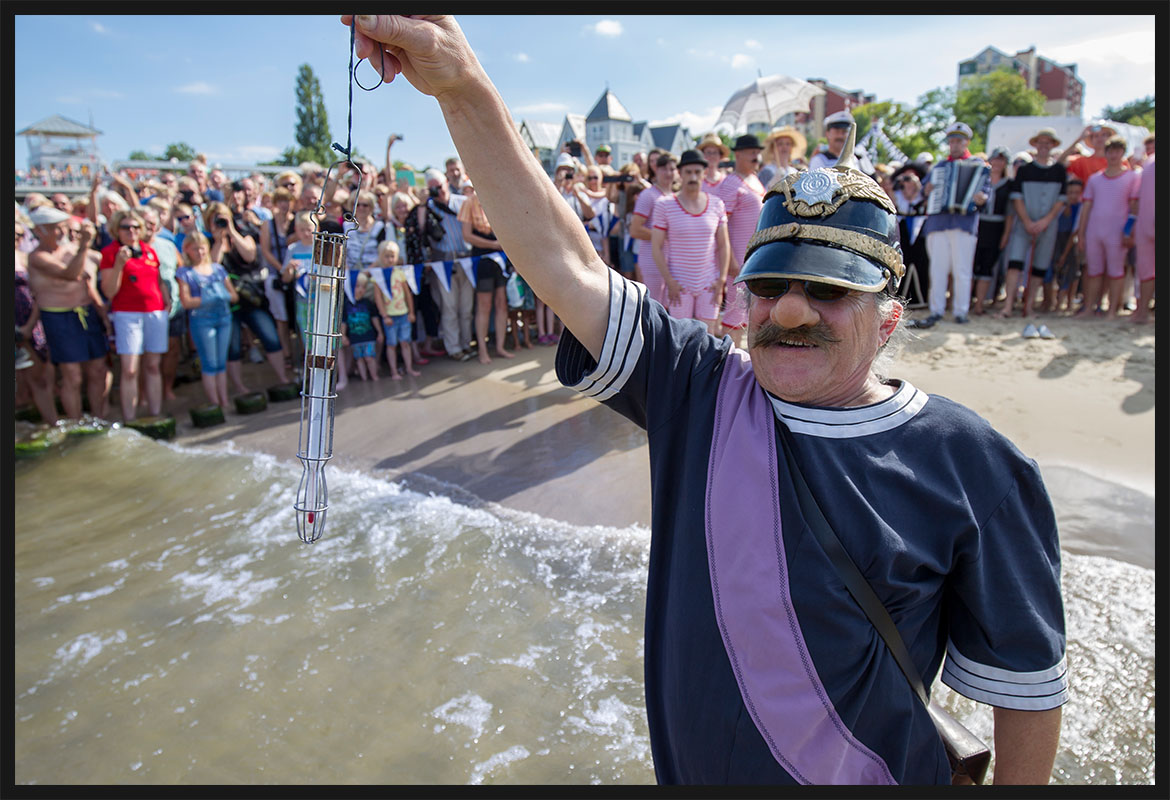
(47, 215)
(838, 117)
(566, 160)
(958, 129)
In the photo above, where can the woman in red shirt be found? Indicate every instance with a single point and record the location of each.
(139, 301)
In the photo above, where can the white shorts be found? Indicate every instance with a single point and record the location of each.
(275, 297)
(138, 332)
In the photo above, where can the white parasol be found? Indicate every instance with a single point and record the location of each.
(765, 100)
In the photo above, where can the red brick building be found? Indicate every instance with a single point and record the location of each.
(1063, 91)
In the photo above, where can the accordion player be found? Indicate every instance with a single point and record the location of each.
(954, 186)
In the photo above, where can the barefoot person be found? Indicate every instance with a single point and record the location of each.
(61, 276)
(1110, 198)
(759, 667)
(140, 302)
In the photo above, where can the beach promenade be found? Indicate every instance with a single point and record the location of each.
(508, 433)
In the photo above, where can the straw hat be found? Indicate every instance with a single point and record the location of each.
(713, 139)
(1049, 132)
(799, 143)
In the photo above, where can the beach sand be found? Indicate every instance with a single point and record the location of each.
(508, 433)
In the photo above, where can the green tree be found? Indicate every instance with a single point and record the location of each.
(141, 155)
(312, 131)
(180, 151)
(914, 128)
(983, 97)
(1135, 112)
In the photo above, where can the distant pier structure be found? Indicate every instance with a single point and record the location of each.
(63, 156)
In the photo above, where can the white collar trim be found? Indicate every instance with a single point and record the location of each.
(849, 423)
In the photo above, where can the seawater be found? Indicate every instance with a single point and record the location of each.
(170, 627)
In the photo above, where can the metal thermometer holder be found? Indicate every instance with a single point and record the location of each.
(325, 284)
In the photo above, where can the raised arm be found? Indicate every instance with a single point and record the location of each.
(68, 270)
(389, 171)
(538, 230)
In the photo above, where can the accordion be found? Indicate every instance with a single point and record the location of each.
(954, 184)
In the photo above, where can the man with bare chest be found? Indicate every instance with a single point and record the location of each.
(61, 278)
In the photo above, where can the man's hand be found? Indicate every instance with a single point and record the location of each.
(87, 234)
(429, 50)
(980, 198)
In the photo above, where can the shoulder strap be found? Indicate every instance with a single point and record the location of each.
(855, 582)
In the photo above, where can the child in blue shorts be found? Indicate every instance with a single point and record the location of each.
(398, 315)
(361, 329)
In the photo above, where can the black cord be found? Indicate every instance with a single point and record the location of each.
(347, 151)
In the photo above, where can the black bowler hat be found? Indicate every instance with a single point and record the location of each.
(831, 225)
(691, 157)
(747, 142)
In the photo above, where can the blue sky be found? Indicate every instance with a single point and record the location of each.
(225, 84)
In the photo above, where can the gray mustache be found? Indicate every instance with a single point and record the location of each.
(767, 335)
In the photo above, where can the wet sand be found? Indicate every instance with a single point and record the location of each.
(508, 433)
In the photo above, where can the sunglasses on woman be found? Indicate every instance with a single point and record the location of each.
(772, 288)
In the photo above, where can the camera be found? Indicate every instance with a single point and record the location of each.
(221, 222)
(136, 251)
(187, 195)
(729, 164)
(433, 191)
(616, 178)
(575, 149)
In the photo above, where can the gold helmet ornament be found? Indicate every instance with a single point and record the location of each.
(833, 225)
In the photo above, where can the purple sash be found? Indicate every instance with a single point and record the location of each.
(749, 583)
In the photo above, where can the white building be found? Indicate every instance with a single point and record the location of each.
(609, 123)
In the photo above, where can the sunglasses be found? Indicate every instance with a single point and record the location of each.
(289, 185)
(183, 218)
(364, 205)
(135, 227)
(772, 288)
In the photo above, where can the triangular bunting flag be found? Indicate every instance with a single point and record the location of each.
(351, 277)
(382, 279)
(468, 269)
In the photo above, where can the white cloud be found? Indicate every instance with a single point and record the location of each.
(661, 42)
(522, 58)
(98, 27)
(697, 122)
(607, 27)
(739, 61)
(107, 94)
(68, 99)
(1135, 47)
(542, 108)
(198, 87)
(752, 44)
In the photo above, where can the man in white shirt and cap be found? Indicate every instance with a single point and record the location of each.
(837, 127)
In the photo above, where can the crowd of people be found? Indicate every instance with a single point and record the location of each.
(162, 267)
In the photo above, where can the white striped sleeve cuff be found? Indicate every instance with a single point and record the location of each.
(1024, 691)
(623, 341)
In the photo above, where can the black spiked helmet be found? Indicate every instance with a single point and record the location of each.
(832, 225)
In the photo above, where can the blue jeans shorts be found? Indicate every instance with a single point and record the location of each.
(398, 330)
(364, 349)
